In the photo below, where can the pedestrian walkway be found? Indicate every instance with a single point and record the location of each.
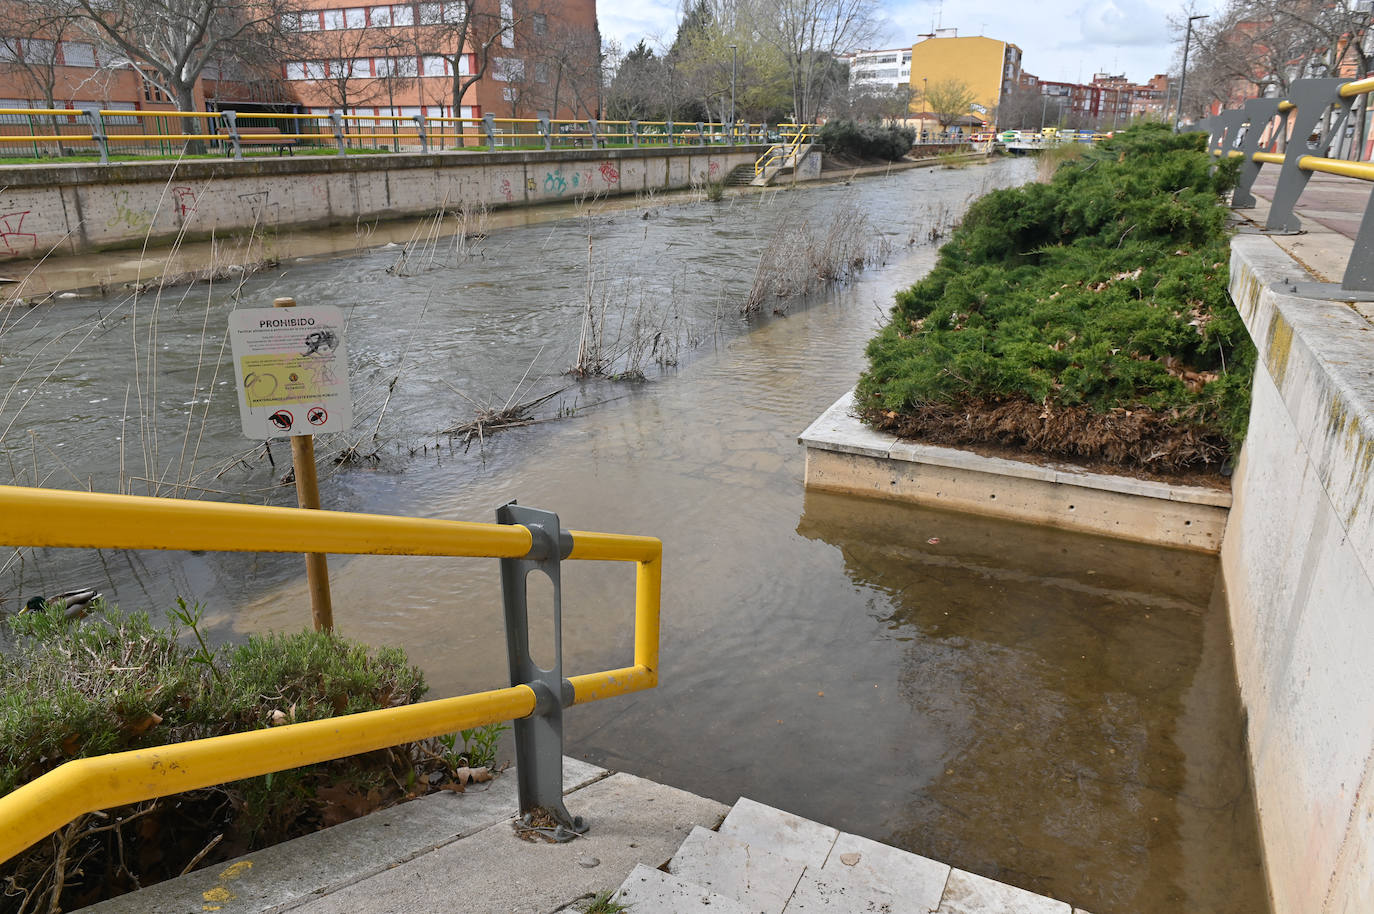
(462, 854)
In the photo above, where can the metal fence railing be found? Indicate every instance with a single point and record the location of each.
(43, 133)
(1303, 135)
(526, 540)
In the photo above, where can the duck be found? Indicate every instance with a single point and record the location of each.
(77, 602)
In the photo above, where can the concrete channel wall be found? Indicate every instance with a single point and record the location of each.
(1298, 562)
(75, 209)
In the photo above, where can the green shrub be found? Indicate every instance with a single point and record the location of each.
(1102, 292)
(871, 141)
(114, 682)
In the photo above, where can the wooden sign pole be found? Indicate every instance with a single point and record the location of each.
(308, 496)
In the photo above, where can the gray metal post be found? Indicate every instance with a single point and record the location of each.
(419, 120)
(634, 133)
(669, 123)
(591, 129)
(231, 123)
(539, 737)
(336, 121)
(730, 134)
(97, 124)
(701, 134)
(546, 128)
(489, 125)
(1259, 112)
(1311, 99)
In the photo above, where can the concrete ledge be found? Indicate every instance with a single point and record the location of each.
(282, 876)
(844, 455)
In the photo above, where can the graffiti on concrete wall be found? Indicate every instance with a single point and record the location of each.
(126, 214)
(609, 173)
(185, 200)
(555, 183)
(505, 190)
(13, 236)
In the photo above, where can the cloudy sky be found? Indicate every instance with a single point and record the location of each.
(1064, 40)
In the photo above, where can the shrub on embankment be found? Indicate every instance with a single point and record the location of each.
(115, 682)
(865, 141)
(1087, 317)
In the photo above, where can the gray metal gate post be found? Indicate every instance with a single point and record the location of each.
(539, 737)
(634, 133)
(98, 134)
(1259, 112)
(591, 129)
(546, 128)
(489, 125)
(336, 121)
(1311, 99)
(419, 120)
(231, 123)
(701, 134)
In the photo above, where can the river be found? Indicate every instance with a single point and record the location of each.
(1050, 709)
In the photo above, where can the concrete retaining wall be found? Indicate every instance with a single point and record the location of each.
(1298, 562)
(79, 208)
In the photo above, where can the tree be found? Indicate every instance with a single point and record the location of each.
(32, 52)
(635, 90)
(340, 69)
(810, 35)
(874, 103)
(949, 100)
(171, 42)
(473, 37)
(566, 68)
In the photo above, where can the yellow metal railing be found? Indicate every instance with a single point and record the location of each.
(65, 519)
(794, 136)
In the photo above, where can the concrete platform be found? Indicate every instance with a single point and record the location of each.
(844, 455)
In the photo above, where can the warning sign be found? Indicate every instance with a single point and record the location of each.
(292, 370)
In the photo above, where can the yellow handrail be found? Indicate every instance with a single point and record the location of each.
(67, 519)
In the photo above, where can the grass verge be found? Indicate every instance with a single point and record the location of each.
(1087, 317)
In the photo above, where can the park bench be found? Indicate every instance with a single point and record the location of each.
(263, 136)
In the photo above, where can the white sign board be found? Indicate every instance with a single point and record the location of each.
(292, 370)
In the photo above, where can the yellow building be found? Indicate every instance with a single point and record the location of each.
(989, 67)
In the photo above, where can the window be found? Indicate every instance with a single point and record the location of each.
(403, 14)
(333, 19)
(507, 23)
(9, 50)
(454, 12)
(151, 92)
(291, 22)
(541, 72)
(314, 69)
(510, 95)
(434, 65)
(295, 69)
(379, 17)
(78, 54)
(431, 13)
(310, 21)
(541, 24)
(356, 69)
(37, 50)
(465, 65)
(120, 120)
(17, 103)
(355, 18)
(508, 69)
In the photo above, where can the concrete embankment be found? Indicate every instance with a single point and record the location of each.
(74, 209)
(1298, 562)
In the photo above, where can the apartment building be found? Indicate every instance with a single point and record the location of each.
(991, 68)
(889, 68)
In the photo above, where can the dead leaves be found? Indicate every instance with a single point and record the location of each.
(463, 776)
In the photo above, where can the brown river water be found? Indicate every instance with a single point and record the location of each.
(1050, 709)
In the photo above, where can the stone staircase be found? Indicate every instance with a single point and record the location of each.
(766, 861)
(740, 175)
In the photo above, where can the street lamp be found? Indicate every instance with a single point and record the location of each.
(1183, 77)
(734, 61)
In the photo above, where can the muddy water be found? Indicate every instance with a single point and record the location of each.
(1049, 709)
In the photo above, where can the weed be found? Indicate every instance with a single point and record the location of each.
(604, 903)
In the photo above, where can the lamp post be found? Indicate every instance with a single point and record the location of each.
(1183, 77)
(734, 61)
(925, 103)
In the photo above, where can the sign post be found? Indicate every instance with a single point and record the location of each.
(293, 380)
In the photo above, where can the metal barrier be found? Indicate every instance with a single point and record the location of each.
(1312, 122)
(526, 540)
(794, 137)
(59, 132)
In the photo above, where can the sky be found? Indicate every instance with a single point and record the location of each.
(1060, 40)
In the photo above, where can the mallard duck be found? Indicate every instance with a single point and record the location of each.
(77, 602)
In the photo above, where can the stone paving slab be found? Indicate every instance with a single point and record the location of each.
(969, 893)
(831, 891)
(758, 879)
(917, 881)
(649, 890)
(633, 821)
(780, 832)
(278, 877)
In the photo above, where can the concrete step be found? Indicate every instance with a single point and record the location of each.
(651, 890)
(761, 881)
(769, 861)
